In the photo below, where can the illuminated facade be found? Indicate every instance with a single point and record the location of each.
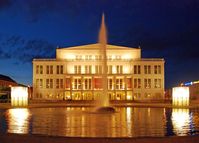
(75, 74)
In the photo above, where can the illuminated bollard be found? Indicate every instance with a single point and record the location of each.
(180, 96)
(19, 96)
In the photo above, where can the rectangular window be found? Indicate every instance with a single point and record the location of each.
(119, 69)
(37, 69)
(137, 83)
(61, 83)
(61, 69)
(86, 69)
(157, 83)
(147, 69)
(41, 69)
(51, 69)
(100, 69)
(137, 69)
(79, 69)
(77, 83)
(47, 69)
(110, 83)
(147, 83)
(157, 69)
(90, 69)
(57, 69)
(119, 83)
(41, 83)
(57, 83)
(51, 83)
(37, 83)
(87, 84)
(47, 83)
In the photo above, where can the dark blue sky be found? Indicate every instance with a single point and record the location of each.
(164, 28)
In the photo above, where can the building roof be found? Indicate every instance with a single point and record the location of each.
(6, 78)
(96, 46)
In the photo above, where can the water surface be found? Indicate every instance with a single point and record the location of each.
(82, 122)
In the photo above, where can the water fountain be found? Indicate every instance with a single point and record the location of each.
(103, 102)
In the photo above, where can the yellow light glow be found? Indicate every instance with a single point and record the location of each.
(126, 69)
(180, 120)
(114, 70)
(19, 96)
(18, 120)
(180, 96)
(70, 56)
(126, 57)
(129, 97)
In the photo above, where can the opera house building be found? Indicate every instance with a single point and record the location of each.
(76, 74)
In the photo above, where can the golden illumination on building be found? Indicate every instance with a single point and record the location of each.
(180, 96)
(19, 96)
(180, 121)
(18, 120)
(80, 70)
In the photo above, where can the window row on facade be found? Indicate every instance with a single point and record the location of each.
(49, 69)
(117, 95)
(97, 69)
(97, 83)
(98, 57)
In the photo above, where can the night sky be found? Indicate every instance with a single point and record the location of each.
(166, 29)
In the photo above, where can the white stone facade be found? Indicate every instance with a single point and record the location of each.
(75, 74)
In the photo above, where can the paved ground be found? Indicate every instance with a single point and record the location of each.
(14, 138)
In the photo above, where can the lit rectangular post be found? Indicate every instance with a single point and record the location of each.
(19, 96)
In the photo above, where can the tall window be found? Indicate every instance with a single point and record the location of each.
(147, 83)
(119, 68)
(119, 83)
(147, 69)
(41, 69)
(137, 83)
(59, 83)
(110, 83)
(47, 69)
(60, 69)
(98, 69)
(57, 69)
(157, 83)
(77, 69)
(41, 83)
(77, 83)
(51, 83)
(47, 83)
(37, 69)
(87, 83)
(137, 69)
(88, 69)
(37, 83)
(157, 69)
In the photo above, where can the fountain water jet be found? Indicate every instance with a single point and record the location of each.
(103, 102)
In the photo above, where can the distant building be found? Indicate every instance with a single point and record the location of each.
(5, 84)
(75, 74)
(6, 81)
(193, 89)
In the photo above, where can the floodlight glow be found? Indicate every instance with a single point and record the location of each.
(180, 120)
(19, 96)
(180, 96)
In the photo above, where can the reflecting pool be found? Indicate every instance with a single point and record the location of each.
(81, 122)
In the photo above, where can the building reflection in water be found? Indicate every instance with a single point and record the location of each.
(81, 122)
(181, 121)
(18, 120)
